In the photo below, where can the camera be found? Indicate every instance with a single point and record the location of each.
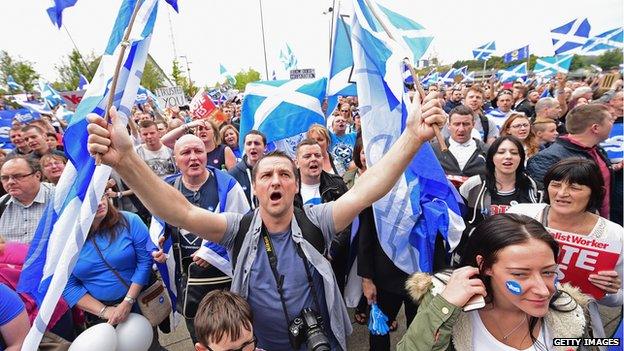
(308, 327)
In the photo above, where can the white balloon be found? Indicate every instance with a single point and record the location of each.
(134, 334)
(100, 337)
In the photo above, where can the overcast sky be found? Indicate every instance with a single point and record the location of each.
(209, 32)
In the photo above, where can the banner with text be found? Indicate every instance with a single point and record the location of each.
(171, 97)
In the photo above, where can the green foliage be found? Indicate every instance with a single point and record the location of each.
(72, 66)
(22, 71)
(243, 77)
(152, 78)
(610, 59)
(182, 81)
(577, 62)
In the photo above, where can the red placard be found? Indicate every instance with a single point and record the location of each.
(580, 256)
(202, 106)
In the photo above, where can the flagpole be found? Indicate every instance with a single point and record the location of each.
(435, 127)
(113, 89)
(78, 51)
(266, 66)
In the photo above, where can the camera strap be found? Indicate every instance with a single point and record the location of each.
(279, 278)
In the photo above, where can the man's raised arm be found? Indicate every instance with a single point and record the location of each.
(381, 177)
(114, 145)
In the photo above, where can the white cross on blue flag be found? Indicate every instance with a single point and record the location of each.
(549, 66)
(609, 40)
(570, 37)
(484, 51)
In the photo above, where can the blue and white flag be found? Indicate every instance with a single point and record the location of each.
(431, 78)
(448, 78)
(288, 58)
(231, 199)
(484, 51)
(514, 73)
(21, 115)
(546, 93)
(516, 55)
(55, 12)
(67, 219)
(12, 84)
(469, 77)
(570, 37)
(609, 40)
(340, 82)
(422, 203)
(49, 95)
(414, 35)
(283, 109)
(549, 66)
(227, 75)
(33, 106)
(83, 82)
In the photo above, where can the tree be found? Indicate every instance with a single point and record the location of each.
(71, 67)
(243, 78)
(151, 78)
(22, 71)
(180, 80)
(610, 59)
(577, 62)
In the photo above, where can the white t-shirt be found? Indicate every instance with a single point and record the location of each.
(483, 340)
(160, 161)
(462, 152)
(311, 194)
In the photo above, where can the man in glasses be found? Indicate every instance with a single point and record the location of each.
(25, 200)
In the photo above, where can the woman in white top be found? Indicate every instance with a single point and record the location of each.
(510, 265)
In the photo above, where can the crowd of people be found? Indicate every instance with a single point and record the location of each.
(527, 160)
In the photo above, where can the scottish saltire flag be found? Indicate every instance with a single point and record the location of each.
(55, 12)
(288, 58)
(227, 75)
(570, 37)
(448, 78)
(609, 40)
(39, 108)
(413, 34)
(516, 55)
(514, 73)
(82, 82)
(12, 84)
(469, 77)
(550, 66)
(422, 203)
(484, 51)
(66, 221)
(231, 199)
(49, 95)
(283, 109)
(431, 78)
(341, 65)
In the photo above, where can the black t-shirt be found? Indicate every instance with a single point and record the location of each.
(502, 200)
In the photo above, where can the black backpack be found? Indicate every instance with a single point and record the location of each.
(311, 233)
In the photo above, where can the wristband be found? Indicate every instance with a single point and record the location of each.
(101, 314)
(119, 195)
(129, 299)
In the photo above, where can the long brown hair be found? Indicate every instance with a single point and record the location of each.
(110, 224)
(531, 143)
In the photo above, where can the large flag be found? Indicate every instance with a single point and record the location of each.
(422, 203)
(514, 73)
(550, 66)
(35, 107)
(282, 109)
(66, 221)
(484, 51)
(609, 40)
(12, 84)
(414, 35)
(340, 82)
(570, 37)
(288, 58)
(227, 75)
(516, 55)
(49, 95)
(83, 82)
(55, 12)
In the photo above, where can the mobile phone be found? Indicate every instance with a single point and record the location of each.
(476, 302)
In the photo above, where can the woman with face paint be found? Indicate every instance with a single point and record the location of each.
(510, 261)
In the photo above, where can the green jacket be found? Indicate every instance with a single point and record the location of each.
(440, 325)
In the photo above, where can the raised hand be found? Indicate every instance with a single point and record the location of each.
(424, 116)
(111, 141)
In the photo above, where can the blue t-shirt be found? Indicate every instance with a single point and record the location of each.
(341, 150)
(127, 254)
(10, 304)
(269, 325)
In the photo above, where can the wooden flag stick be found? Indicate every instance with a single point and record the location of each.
(124, 44)
(422, 94)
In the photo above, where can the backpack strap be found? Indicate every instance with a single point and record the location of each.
(486, 127)
(4, 200)
(243, 228)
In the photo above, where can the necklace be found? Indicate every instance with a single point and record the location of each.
(506, 336)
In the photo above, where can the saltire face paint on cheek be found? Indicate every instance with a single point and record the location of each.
(513, 287)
